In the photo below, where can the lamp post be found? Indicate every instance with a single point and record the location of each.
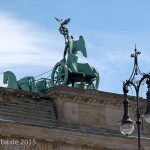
(127, 125)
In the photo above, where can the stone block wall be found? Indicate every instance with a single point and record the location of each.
(65, 118)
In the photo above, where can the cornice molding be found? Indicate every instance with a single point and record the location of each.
(92, 97)
(75, 95)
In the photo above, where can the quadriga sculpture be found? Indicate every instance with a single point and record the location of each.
(66, 72)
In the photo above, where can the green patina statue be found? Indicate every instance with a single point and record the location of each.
(68, 70)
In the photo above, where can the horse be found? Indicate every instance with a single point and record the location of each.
(41, 86)
(10, 79)
(26, 83)
(32, 86)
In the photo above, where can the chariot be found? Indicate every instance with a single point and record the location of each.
(85, 77)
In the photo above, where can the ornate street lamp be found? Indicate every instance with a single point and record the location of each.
(127, 125)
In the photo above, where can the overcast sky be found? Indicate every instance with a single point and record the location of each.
(30, 43)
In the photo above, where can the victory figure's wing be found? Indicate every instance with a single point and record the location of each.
(59, 20)
(66, 21)
(79, 45)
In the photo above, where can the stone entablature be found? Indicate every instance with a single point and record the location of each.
(91, 108)
(63, 139)
(86, 120)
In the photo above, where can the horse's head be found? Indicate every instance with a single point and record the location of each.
(5, 77)
(41, 85)
(31, 78)
(32, 86)
(10, 79)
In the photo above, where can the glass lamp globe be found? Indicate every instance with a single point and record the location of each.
(147, 117)
(127, 128)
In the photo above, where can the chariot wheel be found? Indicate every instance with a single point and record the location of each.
(59, 74)
(93, 83)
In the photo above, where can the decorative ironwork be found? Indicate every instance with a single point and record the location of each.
(132, 81)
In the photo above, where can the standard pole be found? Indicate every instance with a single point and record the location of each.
(139, 132)
(138, 122)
